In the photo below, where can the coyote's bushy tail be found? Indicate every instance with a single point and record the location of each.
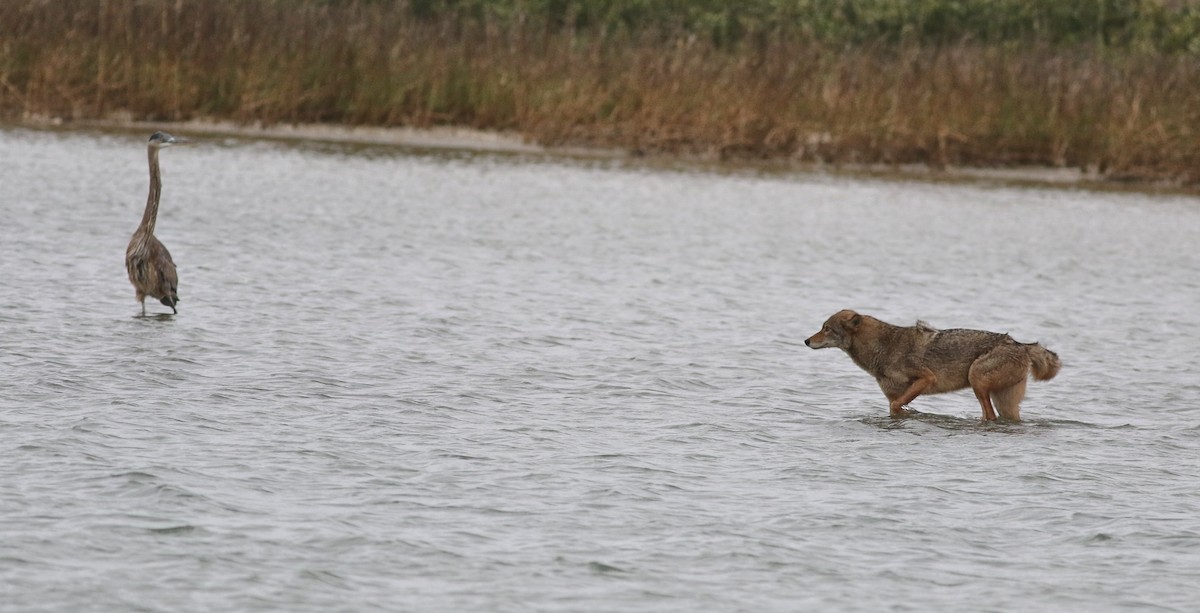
(1045, 363)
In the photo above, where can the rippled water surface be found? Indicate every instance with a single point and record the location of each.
(445, 382)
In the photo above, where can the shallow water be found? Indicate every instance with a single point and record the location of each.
(435, 382)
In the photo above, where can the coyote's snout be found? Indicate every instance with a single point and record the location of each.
(914, 360)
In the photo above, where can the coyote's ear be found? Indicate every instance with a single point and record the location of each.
(854, 321)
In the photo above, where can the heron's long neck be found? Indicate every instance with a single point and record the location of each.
(151, 214)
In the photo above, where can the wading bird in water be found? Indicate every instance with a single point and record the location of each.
(151, 269)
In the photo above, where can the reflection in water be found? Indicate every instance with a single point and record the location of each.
(155, 317)
(484, 383)
(920, 421)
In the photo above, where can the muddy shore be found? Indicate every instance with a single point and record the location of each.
(484, 141)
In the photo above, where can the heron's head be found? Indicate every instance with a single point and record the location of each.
(158, 140)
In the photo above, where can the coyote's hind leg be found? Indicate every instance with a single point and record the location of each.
(998, 372)
(989, 413)
(1008, 400)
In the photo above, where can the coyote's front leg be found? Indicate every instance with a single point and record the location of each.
(923, 380)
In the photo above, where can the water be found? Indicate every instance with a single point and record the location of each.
(452, 382)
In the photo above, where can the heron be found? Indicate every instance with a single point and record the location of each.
(151, 269)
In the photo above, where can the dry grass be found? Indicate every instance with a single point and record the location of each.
(1130, 114)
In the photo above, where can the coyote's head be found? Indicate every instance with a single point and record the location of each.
(837, 331)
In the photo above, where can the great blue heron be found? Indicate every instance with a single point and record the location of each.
(151, 269)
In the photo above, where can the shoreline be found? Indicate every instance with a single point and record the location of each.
(938, 93)
(450, 138)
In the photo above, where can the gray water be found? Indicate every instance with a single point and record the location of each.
(414, 381)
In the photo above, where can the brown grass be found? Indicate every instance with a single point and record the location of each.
(1129, 114)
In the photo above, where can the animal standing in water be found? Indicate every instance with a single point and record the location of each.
(151, 269)
(915, 360)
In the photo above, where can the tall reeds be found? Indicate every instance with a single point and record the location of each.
(1114, 89)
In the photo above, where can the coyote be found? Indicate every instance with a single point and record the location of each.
(915, 360)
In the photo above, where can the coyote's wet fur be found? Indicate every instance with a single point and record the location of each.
(914, 360)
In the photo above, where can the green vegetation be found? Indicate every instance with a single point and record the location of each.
(1110, 84)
